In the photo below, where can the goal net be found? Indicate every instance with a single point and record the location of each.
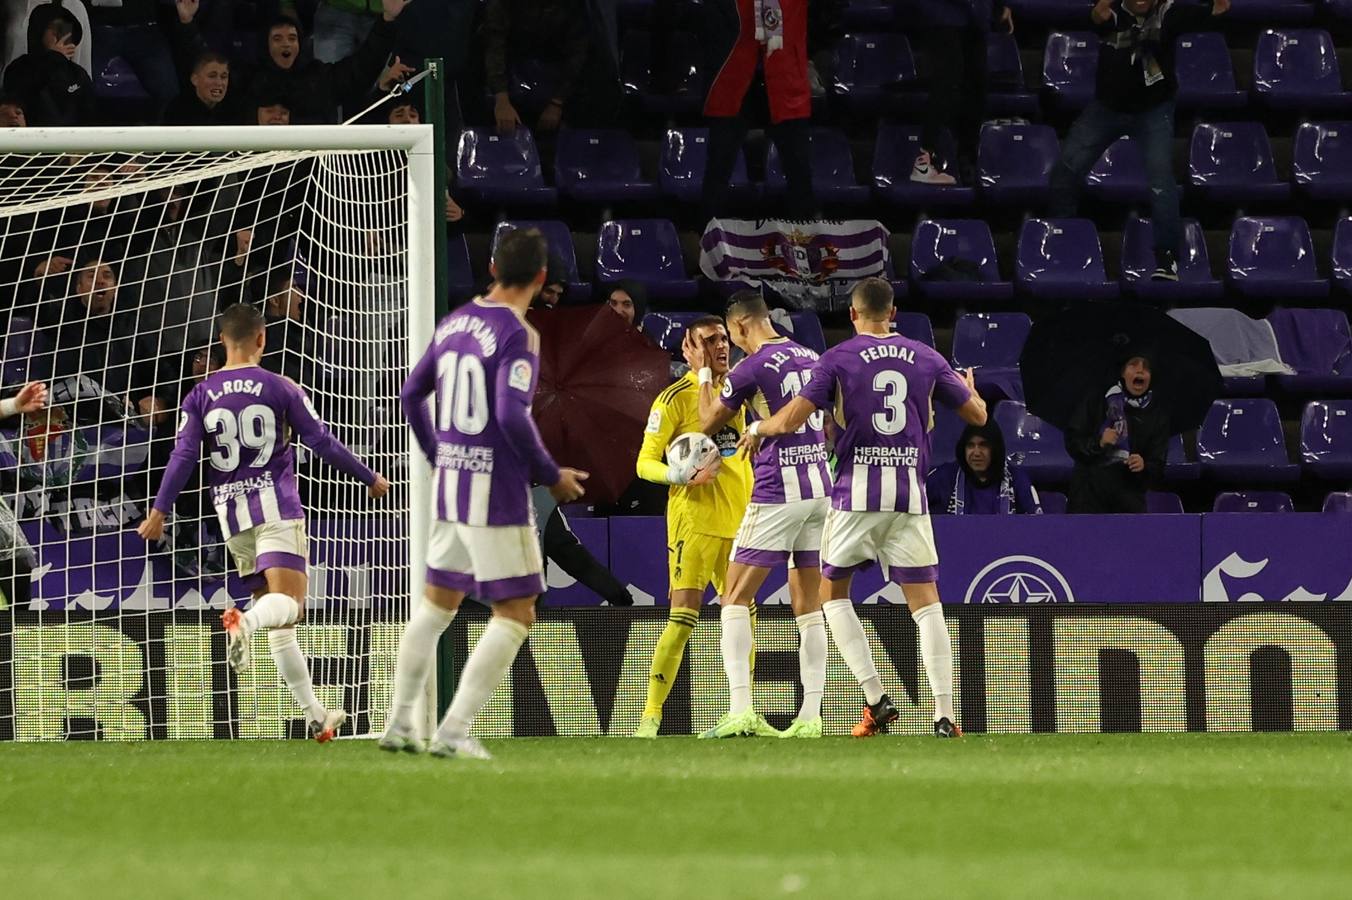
(118, 250)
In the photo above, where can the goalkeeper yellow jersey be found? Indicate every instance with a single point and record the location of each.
(715, 508)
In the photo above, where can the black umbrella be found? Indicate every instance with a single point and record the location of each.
(1079, 351)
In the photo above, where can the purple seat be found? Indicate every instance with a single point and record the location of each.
(560, 240)
(1342, 11)
(668, 329)
(1040, 447)
(501, 171)
(459, 269)
(1321, 160)
(1298, 69)
(807, 330)
(894, 153)
(116, 80)
(1163, 503)
(1049, 12)
(1069, 68)
(1060, 259)
(1054, 503)
(1206, 75)
(1341, 258)
(944, 240)
(532, 82)
(682, 80)
(833, 178)
(1008, 92)
(869, 14)
(1231, 162)
(1177, 466)
(1273, 257)
(873, 71)
(1015, 162)
(601, 166)
(1273, 12)
(1253, 502)
(1195, 281)
(1326, 438)
(685, 152)
(916, 326)
(1338, 502)
(1317, 343)
(28, 353)
(1119, 174)
(1241, 440)
(646, 250)
(990, 345)
(945, 433)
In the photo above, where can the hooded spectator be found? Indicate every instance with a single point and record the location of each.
(16, 31)
(54, 90)
(629, 300)
(982, 480)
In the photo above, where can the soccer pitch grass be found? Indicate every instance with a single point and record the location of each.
(1194, 815)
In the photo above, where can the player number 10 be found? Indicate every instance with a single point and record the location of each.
(462, 394)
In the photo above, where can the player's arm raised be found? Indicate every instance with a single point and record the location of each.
(186, 454)
(515, 388)
(302, 416)
(973, 409)
(713, 415)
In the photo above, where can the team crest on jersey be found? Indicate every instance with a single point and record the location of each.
(654, 422)
(519, 376)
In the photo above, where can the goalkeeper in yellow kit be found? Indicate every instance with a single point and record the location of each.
(702, 519)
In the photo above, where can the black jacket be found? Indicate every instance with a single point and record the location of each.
(1101, 484)
(1121, 80)
(54, 90)
(187, 109)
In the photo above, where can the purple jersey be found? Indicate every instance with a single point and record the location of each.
(482, 366)
(882, 388)
(793, 466)
(245, 416)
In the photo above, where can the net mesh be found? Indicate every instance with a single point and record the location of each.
(118, 265)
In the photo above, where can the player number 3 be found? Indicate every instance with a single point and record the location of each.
(254, 427)
(462, 394)
(892, 385)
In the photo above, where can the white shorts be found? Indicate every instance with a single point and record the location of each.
(280, 545)
(487, 562)
(902, 542)
(772, 533)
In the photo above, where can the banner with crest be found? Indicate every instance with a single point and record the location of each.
(807, 263)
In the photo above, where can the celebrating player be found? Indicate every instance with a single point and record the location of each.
(784, 521)
(482, 365)
(247, 415)
(701, 518)
(882, 387)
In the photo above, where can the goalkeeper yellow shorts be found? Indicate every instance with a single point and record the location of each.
(694, 561)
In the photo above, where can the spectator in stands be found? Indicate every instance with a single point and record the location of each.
(210, 102)
(288, 351)
(403, 111)
(562, 548)
(551, 295)
(131, 29)
(312, 89)
(18, 13)
(272, 110)
(629, 300)
(341, 26)
(12, 113)
(1134, 96)
(954, 41)
(556, 32)
(53, 88)
(981, 480)
(779, 50)
(1119, 441)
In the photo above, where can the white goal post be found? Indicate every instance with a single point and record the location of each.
(118, 248)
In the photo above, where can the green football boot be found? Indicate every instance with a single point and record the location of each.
(648, 726)
(803, 728)
(742, 724)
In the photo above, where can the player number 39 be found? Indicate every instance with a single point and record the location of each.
(253, 427)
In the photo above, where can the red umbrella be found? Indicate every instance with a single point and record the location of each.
(598, 379)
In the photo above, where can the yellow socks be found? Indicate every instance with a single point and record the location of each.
(667, 657)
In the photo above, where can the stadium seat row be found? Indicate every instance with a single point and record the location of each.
(1228, 163)
(1269, 257)
(1226, 502)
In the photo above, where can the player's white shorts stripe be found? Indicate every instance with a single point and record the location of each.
(792, 490)
(887, 500)
(814, 478)
(450, 492)
(913, 492)
(267, 498)
(243, 518)
(859, 487)
(479, 485)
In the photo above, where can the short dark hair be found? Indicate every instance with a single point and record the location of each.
(281, 21)
(209, 56)
(872, 296)
(520, 256)
(707, 321)
(13, 100)
(241, 322)
(748, 303)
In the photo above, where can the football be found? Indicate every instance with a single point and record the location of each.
(697, 453)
